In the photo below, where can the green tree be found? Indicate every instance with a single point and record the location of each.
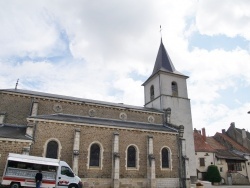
(213, 174)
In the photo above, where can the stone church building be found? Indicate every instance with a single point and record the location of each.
(108, 144)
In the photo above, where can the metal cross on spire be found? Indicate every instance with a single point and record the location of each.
(160, 31)
(17, 83)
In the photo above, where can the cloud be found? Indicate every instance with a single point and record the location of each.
(105, 50)
(224, 17)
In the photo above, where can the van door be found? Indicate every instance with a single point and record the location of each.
(65, 177)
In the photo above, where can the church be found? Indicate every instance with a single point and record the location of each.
(108, 144)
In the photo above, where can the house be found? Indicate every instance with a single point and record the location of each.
(238, 168)
(108, 144)
(204, 153)
(220, 150)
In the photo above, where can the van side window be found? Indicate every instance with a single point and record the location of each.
(66, 171)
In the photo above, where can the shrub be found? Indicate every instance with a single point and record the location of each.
(213, 174)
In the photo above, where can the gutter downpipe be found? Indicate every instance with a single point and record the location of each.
(182, 165)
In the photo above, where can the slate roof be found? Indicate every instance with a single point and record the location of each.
(105, 122)
(200, 144)
(163, 63)
(13, 131)
(227, 154)
(221, 151)
(48, 95)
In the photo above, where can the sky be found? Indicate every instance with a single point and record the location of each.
(105, 50)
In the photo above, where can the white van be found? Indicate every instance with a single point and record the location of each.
(20, 170)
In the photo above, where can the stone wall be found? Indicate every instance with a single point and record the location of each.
(21, 105)
(236, 135)
(17, 108)
(9, 146)
(167, 182)
(130, 183)
(239, 179)
(64, 133)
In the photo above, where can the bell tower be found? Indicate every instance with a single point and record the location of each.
(166, 88)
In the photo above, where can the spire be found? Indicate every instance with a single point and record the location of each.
(163, 61)
(17, 83)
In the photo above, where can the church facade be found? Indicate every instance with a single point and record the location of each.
(107, 144)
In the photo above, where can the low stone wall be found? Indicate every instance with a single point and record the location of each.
(96, 182)
(167, 182)
(239, 179)
(129, 183)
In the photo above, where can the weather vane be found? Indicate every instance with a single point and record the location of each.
(160, 31)
(17, 83)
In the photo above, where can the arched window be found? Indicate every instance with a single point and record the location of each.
(165, 158)
(152, 92)
(174, 89)
(131, 157)
(52, 150)
(94, 155)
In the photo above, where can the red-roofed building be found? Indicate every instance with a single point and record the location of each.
(231, 158)
(205, 154)
(239, 164)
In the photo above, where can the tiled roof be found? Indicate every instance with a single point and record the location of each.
(219, 144)
(215, 144)
(221, 151)
(200, 144)
(230, 143)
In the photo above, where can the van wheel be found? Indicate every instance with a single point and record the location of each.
(70, 186)
(15, 185)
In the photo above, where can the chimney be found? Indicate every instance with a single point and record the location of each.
(223, 131)
(244, 138)
(233, 125)
(2, 117)
(204, 134)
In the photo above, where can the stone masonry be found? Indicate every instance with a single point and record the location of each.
(20, 106)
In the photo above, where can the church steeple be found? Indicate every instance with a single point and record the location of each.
(163, 61)
(166, 88)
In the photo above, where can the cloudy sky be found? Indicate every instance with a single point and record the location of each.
(105, 50)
